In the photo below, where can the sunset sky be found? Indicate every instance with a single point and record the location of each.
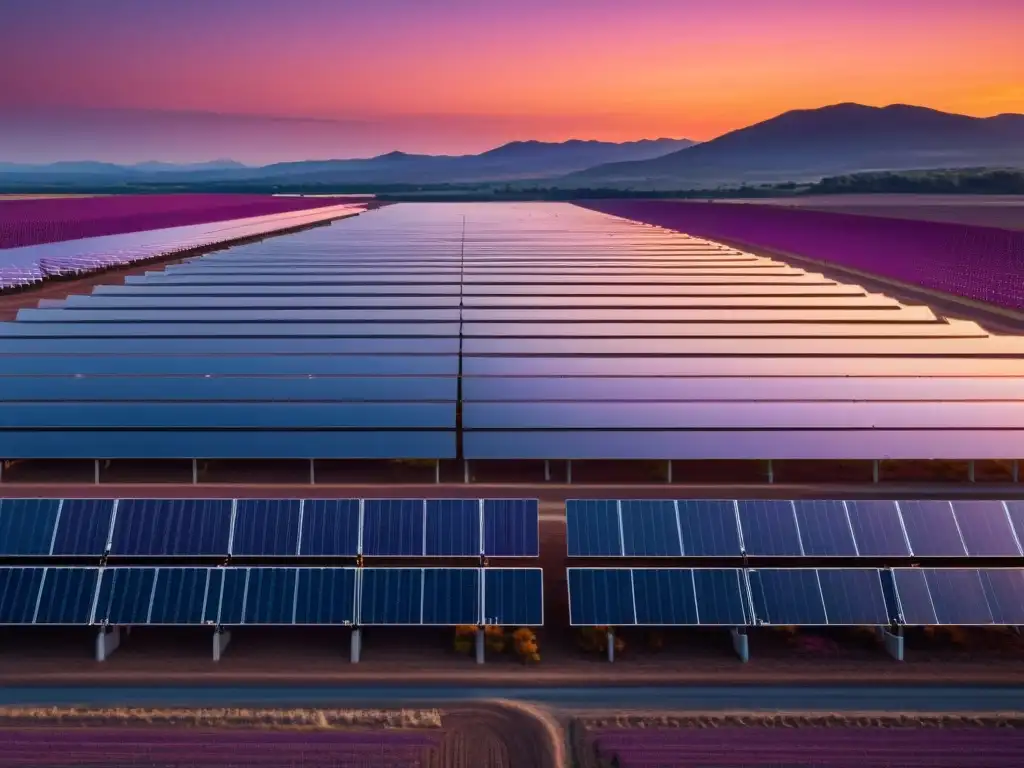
(130, 80)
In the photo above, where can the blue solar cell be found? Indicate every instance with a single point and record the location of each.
(154, 527)
(231, 610)
(127, 300)
(769, 528)
(650, 529)
(330, 528)
(270, 596)
(592, 528)
(451, 596)
(83, 527)
(601, 597)
(709, 528)
(985, 528)
(72, 330)
(513, 597)
(67, 596)
(361, 318)
(1004, 593)
(931, 529)
(213, 345)
(393, 527)
(958, 596)
(266, 528)
(915, 600)
(664, 597)
(186, 596)
(511, 527)
(721, 597)
(27, 525)
(1015, 509)
(825, 529)
(125, 595)
(326, 596)
(853, 597)
(877, 529)
(787, 597)
(391, 596)
(19, 593)
(452, 528)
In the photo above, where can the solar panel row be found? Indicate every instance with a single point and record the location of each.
(271, 596)
(269, 528)
(798, 528)
(733, 597)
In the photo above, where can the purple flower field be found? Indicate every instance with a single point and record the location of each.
(832, 747)
(178, 748)
(33, 222)
(980, 263)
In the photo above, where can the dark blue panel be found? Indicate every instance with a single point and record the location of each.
(153, 527)
(393, 527)
(511, 527)
(83, 527)
(958, 596)
(601, 597)
(592, 528)
(709, 528)
(232, 600)
(889, 592)
(67, 596)
(266, 528)
(1004, 592)
(326, 596)
(213, 345)
(664, 597)
(453, 528)
(185, 596)
(1016, 511)
(853, 597)
(514, 597)
(721, 597)
(451, 596)
(985, 528)
(769, 528)
(330, 528)
(931, 529)
(915, 601)
(26, 526)
(391, 596)
(362, 319)
(71, 330)
(877, 529)
(650, 529)
(19, 592)
(125, 595)
(825, 529)
(270, 596)
(787, 597)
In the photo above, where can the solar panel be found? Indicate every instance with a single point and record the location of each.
(451, 596)
(125, 596)
(721, 597)
(171, 527)
(330, 528)
(394, 527)
(825, 529)
(986, 529)
(878, 529)
(650, 529)
(72, 330)
(1004, 592)
(186, 596)
(27, 526)
(67, 596)
(266, 527)
(592, 528)
(664, 597)
(236, 346)
(769, 528)
(943, 596)
(391, 596)
(931, 529)
(269, 596)
(233, 583)
(326, 596)
(601, 597)
(19, 593)
(513, 597)
(511, 527)
(1015, 510)
(83, 527)
(709, 528)
(855, 597)
(786, 597)
(452, 528)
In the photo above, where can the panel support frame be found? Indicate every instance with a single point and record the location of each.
(610, 642)
(668, 474)
(875, 471)
(547, 471)
(970, 471)
(771, 473)
(480, 646)
(1015, 470)
(107, 641)
(465, 471)
(96, 472)
(221, 639)
(356, 645)
(195, 472)
(437, 471)
(893, 641)
(740, 643)
(312, 471)
(568, 472)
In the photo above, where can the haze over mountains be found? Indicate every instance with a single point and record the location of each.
(802, 145)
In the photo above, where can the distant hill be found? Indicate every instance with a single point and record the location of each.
(517, 160)
(809, 144)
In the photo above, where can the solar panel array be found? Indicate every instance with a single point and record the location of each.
(577, 335)
(796, 528)
(269, 528)
(228, 596)
(815, 597)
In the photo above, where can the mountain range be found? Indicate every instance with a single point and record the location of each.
(801, 145)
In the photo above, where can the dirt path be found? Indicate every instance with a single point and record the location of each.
(500, 735)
